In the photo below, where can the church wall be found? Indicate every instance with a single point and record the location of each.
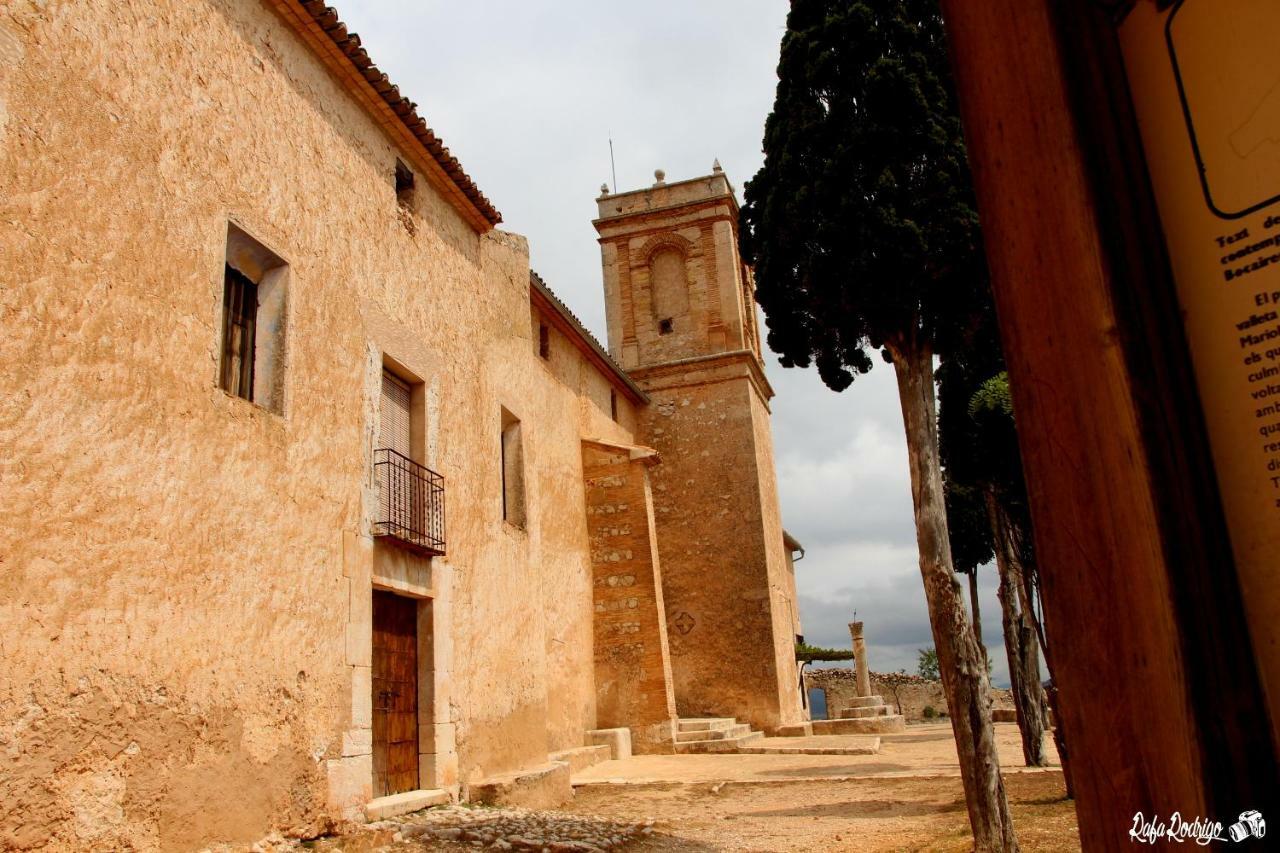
(184, 605)
(632, 658)
(712, 528)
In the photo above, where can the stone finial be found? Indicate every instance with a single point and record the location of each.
(604, 190)
(660, 177)
(715, 167)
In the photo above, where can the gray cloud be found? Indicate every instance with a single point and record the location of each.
(527, 95)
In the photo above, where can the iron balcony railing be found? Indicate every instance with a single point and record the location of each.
(410, 502)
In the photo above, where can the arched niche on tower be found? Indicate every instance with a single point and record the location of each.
(667, 259)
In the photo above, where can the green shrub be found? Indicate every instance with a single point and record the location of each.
(929, 713)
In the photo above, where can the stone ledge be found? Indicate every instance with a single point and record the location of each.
(797, 730)
(582, 757)
(398, 804)
(542, 787)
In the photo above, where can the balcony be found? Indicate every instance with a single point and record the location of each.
(410, 503)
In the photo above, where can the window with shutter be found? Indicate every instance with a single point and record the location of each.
(239, 324)
(395, 429)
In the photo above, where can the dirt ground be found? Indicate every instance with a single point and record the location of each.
(905, 797)
(869, 814)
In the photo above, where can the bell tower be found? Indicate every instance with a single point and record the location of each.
(682, 322)
(675, 286)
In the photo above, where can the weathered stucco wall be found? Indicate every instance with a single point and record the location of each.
(187, 574)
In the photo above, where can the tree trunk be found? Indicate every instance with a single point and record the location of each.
(1019, 638)
(1029, 586)
(961, 662)
(973, 606)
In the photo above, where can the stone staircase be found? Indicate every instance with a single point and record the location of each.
(868, 715)
(713, 734)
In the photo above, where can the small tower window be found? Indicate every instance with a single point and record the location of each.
(613, 404)
(513, 508)
(404, 184)
(544, 342)
(665, 326)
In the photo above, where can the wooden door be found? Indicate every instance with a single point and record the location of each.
(395, 694)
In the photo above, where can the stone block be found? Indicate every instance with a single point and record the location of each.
(439, 769)
(359, 645)
(357, 742)
(357, 559)
(361, 697)
(1004, 715)
(542, 787)
(798, 730)
(618, 741)
(350, 782)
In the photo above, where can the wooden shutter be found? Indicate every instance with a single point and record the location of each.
(395, 430)
(239, 325)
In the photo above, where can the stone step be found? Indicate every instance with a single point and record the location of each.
(862, 713)
(865, 701)
(770, 747)
(728, 744)
(582, 757)
(395, 805)
(618, 740)
(703, 724)
(736, 730)
(797, 730)
(713, 734)
(885, 724)
(543, 787)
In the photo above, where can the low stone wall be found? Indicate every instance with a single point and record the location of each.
(908, 695)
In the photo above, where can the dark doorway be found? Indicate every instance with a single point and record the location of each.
(395, 694)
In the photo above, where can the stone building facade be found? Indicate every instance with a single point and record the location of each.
(682, 323)
(311, 494)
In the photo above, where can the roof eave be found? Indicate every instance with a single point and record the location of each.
(319, 26)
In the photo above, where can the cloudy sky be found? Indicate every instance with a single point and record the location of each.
(527, 96)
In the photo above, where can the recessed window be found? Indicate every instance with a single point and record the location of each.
(613, 404)
(253, 322)
(395, 424)
(404, 197)
(404, 184)
(544, 341)
(665, 326)
(513, 508)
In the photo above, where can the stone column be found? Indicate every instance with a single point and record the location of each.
(860, 659)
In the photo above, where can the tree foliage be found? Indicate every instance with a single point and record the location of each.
(810, 653)
(862, 229)
(861, 224)
(927, 663)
